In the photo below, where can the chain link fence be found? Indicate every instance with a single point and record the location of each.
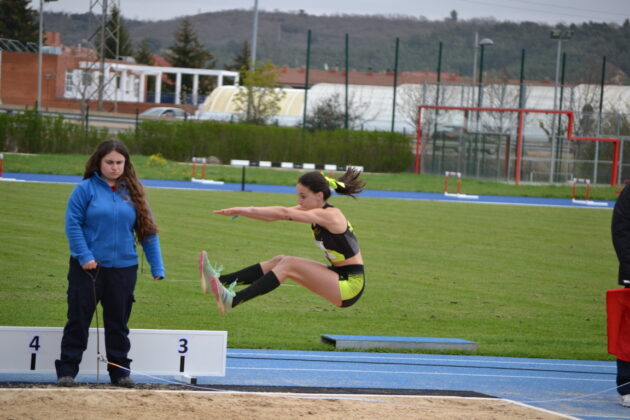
(484, 144)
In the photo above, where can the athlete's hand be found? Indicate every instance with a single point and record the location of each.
(232, 211)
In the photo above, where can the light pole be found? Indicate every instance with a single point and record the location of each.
(254, 34)
(482, 45)
(560, 35)
(437, 103)
(252, 67)
(39, 52)
(474, 70)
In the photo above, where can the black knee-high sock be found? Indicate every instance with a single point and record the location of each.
(247, 275)
(263, 285)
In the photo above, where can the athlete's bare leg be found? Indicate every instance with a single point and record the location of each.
(313, 275)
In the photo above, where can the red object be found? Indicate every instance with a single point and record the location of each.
(618, 311)
(420, 149)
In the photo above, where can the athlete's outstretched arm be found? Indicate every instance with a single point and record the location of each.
(267, 214)
(273, 213)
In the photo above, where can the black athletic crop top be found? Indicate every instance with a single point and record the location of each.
(336, 246)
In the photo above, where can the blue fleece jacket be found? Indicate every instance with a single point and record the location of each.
(100, 226)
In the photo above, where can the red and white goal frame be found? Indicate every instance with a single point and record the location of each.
(421, 143)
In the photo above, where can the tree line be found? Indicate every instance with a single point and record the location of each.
(282, 39)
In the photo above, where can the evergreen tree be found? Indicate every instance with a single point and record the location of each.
(242, 61)
(117, 33)
(18, 21)
(187, 51)
(143, 53)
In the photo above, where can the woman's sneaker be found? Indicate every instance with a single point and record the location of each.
(207, 272)
(66, 381)
(125, 382)
(223, 295)
(625, 400)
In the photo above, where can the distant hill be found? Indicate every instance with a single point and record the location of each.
(282, 39)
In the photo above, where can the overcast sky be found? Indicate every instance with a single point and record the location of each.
(546, 11)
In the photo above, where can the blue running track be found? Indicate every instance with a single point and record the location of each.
(405, 195)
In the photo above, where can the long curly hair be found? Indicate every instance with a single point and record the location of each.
(316, 182)
(127, 183)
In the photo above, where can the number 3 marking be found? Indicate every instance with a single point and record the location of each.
(183, 346)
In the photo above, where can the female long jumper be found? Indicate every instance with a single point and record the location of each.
(342, 282)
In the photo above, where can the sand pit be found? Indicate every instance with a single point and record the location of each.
(51, 402)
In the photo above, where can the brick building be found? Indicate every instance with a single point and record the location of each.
(63, 80)
(70, 76)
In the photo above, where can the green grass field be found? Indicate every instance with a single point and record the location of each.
(520, 281)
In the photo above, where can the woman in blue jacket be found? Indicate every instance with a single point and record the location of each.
(106, 213)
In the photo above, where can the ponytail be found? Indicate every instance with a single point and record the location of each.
(348, 184)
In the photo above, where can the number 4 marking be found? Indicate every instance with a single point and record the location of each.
(34, 344)
(33, 348)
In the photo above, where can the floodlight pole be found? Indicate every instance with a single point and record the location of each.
(40, 44)
(346, 114)
(521, 91)
(482, 44)
(250, 99)
(395, 83)
(599, 124)
(435, 121)
(39, 55)
(558, 34)
(101, 73)
(474, 70)
(254, 34)
(306, 77)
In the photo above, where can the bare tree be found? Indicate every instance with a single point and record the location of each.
(330, 114)
(260, 97)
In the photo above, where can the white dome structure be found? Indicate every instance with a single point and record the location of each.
(223, 99)
(372, 105)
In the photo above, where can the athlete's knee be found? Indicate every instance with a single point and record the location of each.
(278, 259)
(285, 267)
(286, 262)
(271, 263)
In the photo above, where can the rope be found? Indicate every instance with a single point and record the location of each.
(265, 394)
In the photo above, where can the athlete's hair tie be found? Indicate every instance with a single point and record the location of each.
(333, 183)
